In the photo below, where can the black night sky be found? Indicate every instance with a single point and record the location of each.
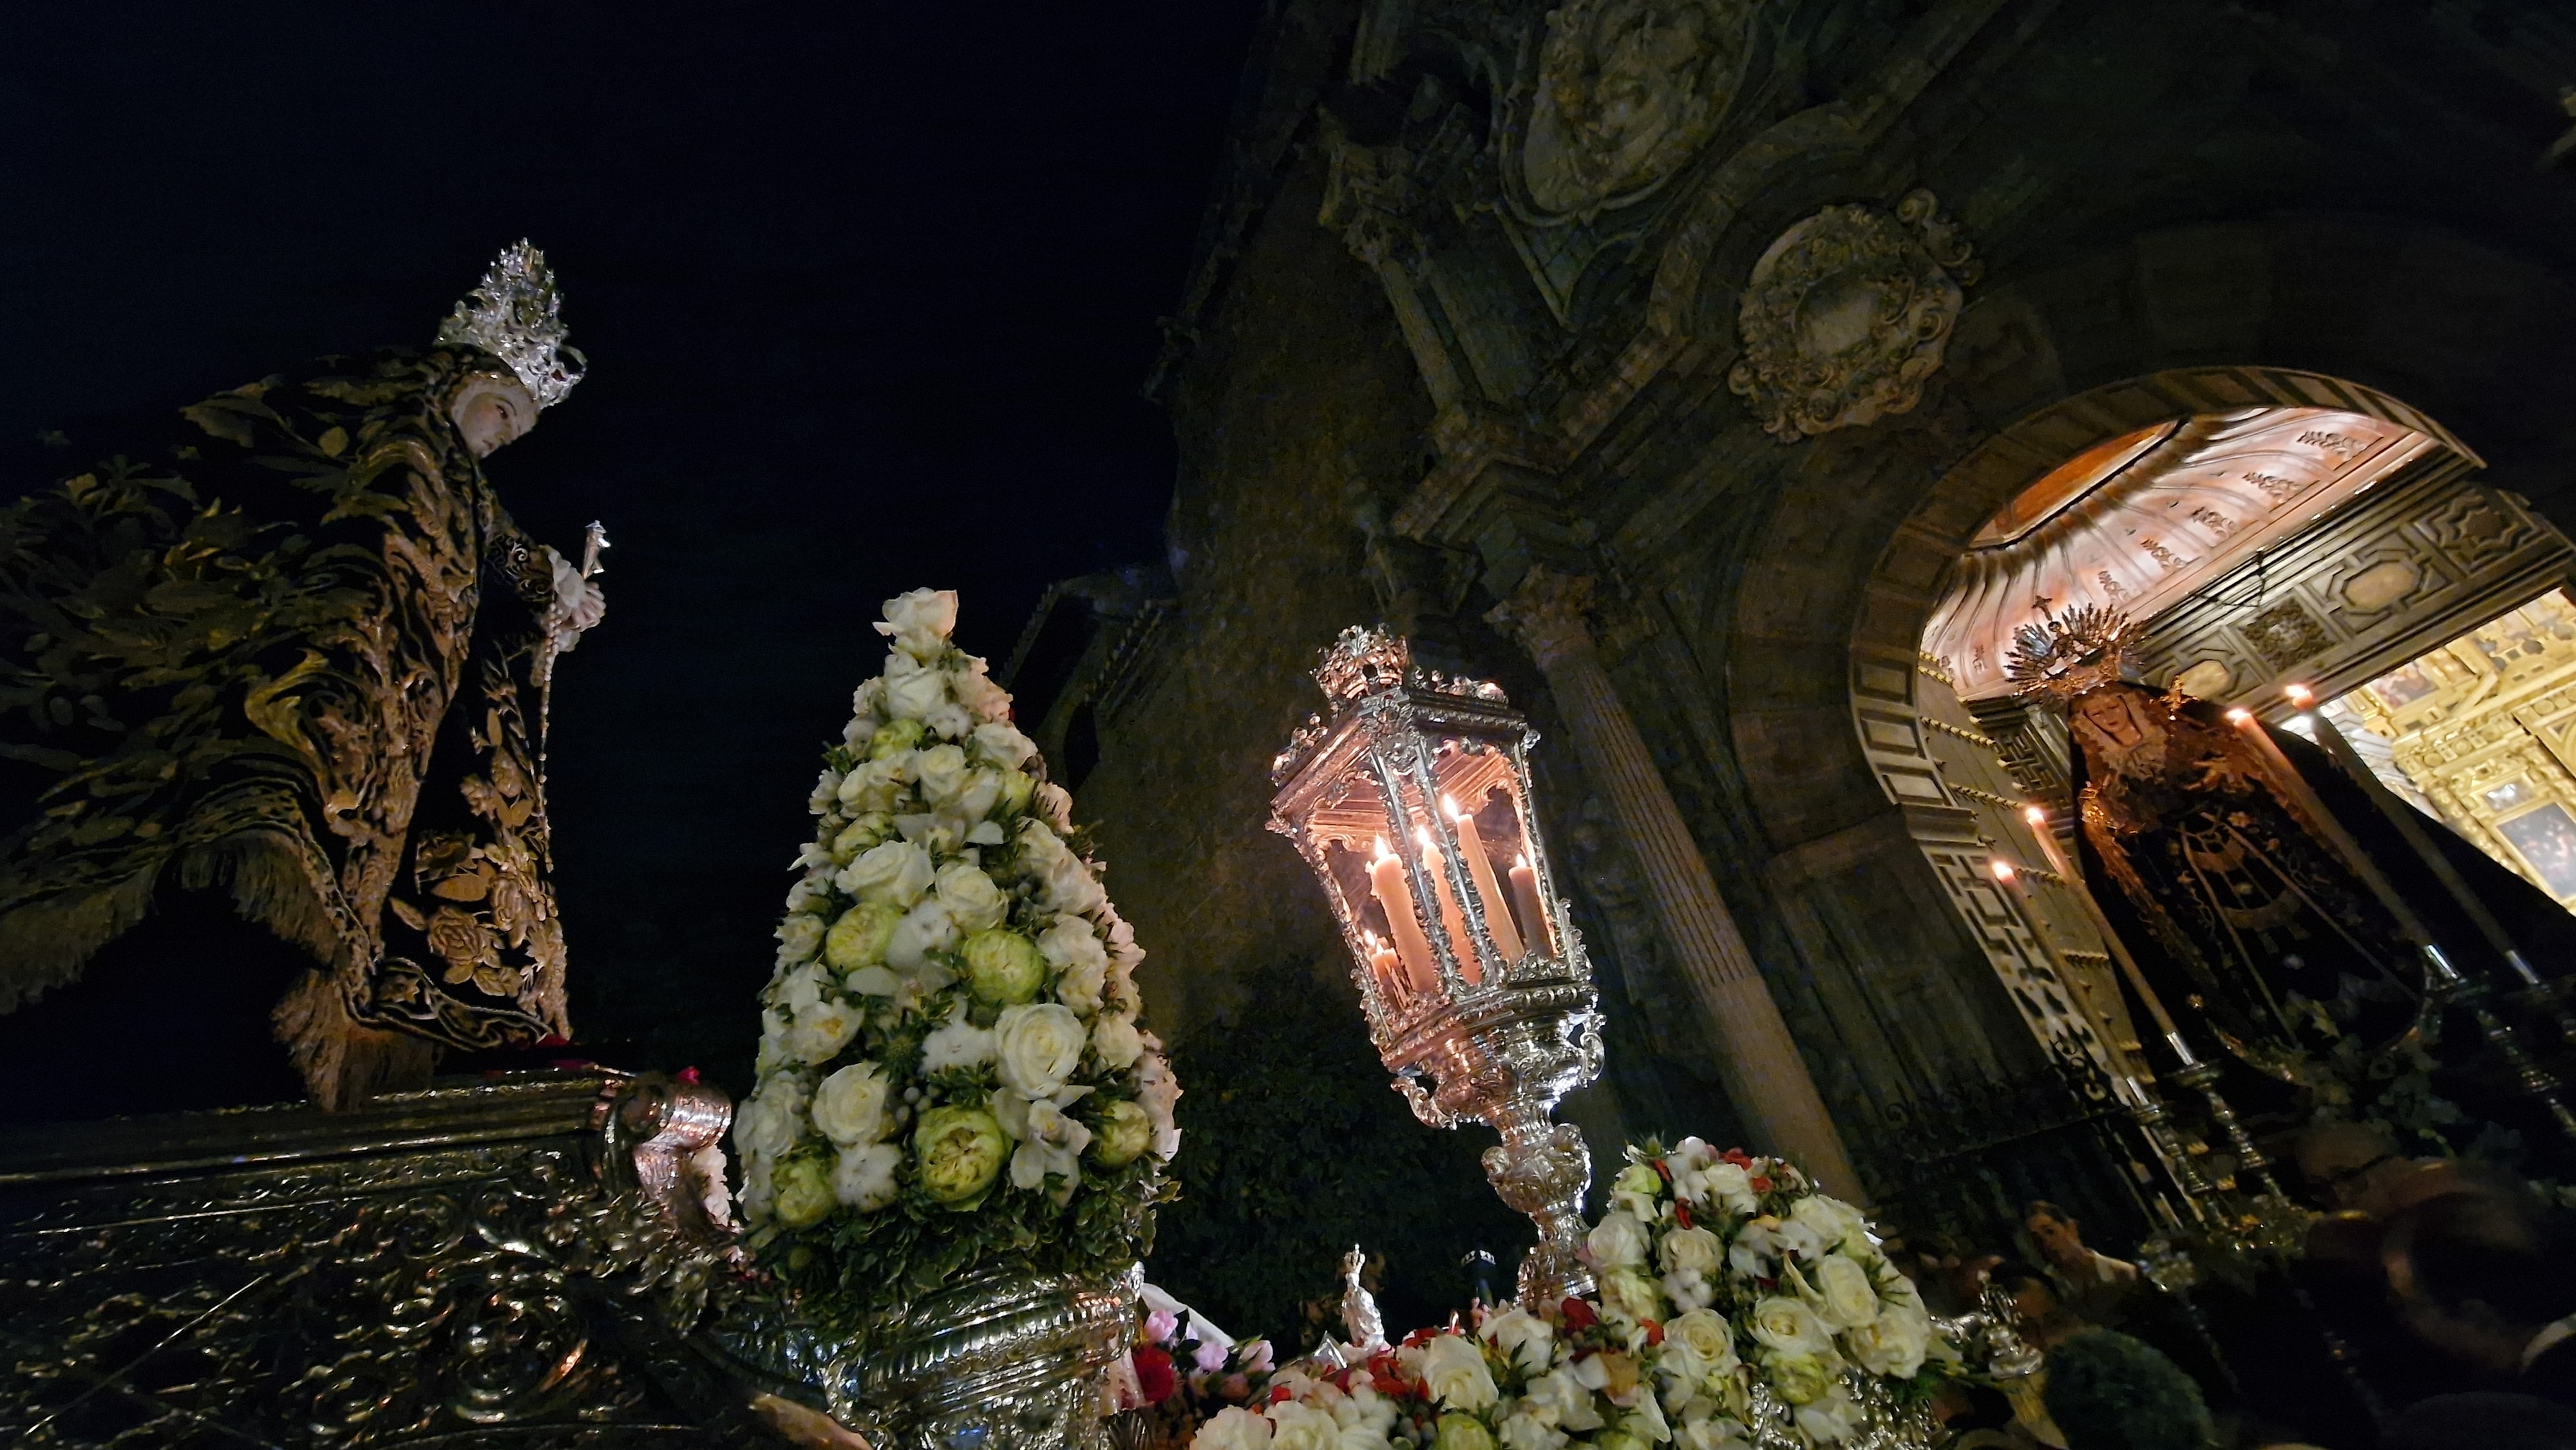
(867, 291)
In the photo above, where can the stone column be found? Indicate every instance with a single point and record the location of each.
(1758, 1060)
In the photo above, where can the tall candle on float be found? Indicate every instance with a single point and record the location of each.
(1451, 919)
(1498, 916)
(1525, 897)
(1386, 881)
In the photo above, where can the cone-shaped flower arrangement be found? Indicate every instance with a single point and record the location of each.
(951, 1071)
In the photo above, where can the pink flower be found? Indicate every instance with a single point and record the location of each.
(1161, 1325)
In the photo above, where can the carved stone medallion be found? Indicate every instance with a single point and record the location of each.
(1627, 91)
(1846, 315)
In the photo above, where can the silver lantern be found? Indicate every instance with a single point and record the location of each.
(1410, 799)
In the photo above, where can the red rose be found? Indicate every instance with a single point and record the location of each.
(1279, 1394)
(1681, 1213)
(1738, 1157)
(1661, 1171)
(1154, 1374)
(1761, 1185)
(1654, 1331)
(1578, 1315)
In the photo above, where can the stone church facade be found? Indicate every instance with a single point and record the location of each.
(1660, 359)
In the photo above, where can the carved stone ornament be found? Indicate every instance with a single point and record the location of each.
(1846, 316)
(1628, 91)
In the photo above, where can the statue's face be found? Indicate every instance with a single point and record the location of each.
(490, 411)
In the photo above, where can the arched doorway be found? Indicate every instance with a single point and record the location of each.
(2325, 535)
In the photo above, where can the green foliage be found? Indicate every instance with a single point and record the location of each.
(1293, 1148)
(2110, 1392)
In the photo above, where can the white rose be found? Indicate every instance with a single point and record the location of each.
(1834, 1221)
(1072, 949)
(959, 1044)
(976, 691)
(976, 801)
(1001, 743)
(1696, 1345)
(896, 872)
(919, 621)
(827, 789)
(1070, 886)
(1754, 1248)
(1893, 1344)
(1802, 1239)
(1789, 1326)
(1691, 1251)
(771, 1122)
(943, 773)
(1618, 1241)
(916, 696)
(820, 1031)
(1037, 1046)
(1295, 1426)
(1232, 1428)
(970, 898)
(756, 1191)
(850, 1105)
(1116, 1042)
(924, 929)
(1453, 1370)
(864, 1176)
(1844, 1294)
(800, 987)
(1523, 1337)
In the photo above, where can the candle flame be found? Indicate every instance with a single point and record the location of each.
(1382, 851)
(2240, 717)
(2002, 868)
(1521, 860)
(1423, 834)
(1449, 803)
(2034, 815)
(2298, 695)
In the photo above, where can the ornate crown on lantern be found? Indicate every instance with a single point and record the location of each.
(1363, 661)
(2070, 654)
(516, 314)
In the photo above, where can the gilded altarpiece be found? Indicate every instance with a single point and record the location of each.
(2483, 730)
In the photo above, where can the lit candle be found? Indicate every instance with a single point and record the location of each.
(1386, 878)
(1384, 966)
(1498, 917)
(1525, 897)
(1451, 921)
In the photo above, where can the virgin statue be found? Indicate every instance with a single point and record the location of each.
(2259, 932)
(272, 711)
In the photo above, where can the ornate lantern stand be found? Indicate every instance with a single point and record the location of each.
(1411, 801)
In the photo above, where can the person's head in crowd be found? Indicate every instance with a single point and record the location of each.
(2045, 1320)
(2059, 1238)
(2107, 1391)
(2350, 1166)
(2479, 1272)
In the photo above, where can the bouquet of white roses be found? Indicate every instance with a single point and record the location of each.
(951, 1072)
(1739, 1308)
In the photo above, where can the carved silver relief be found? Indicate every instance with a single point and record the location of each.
(1846, 315)
(1626, 94)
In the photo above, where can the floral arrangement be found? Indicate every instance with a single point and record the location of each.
(1738, 1308)
(1184, 1373)
(951, 1072)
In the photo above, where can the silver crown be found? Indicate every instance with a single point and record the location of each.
(516, 315)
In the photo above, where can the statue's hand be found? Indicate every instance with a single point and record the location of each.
(578, 605)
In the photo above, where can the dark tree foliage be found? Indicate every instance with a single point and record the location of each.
(1294, 1147)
